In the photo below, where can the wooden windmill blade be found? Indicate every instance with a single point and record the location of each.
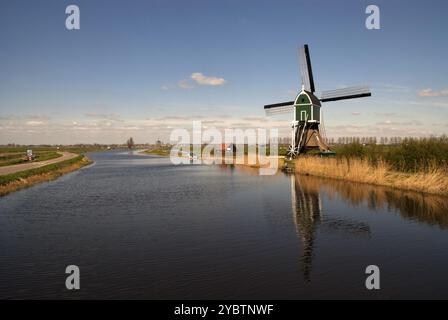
(345, 93)
(305, 69)
(279, 108)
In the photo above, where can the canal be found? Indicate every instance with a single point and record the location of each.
(140, 227)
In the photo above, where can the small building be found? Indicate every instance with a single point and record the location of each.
(29, 155)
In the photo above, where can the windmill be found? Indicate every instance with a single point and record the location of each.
(306, 108)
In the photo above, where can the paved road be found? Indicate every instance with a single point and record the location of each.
(25, 166)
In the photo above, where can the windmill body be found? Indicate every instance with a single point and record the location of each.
(305, 126)
(306, 109)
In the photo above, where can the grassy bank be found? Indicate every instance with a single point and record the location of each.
(5, 150)
(431, 180)
(162, 151)
(27, 178)
(7, 159)
(414, 164)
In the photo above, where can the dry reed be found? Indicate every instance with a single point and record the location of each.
(434, 180)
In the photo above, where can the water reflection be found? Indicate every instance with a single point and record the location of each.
(420, 207)
(309, 214)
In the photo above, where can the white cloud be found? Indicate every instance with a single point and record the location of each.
(431, 93)
(104, 116)
(207, 81)
(200, 79)
(34, 123)
(356, 113)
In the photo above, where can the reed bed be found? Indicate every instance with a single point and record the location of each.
(431, 180)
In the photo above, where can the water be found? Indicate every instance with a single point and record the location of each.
(139, 227)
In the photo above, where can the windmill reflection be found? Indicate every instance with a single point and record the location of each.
(307, 211)
(309, 217)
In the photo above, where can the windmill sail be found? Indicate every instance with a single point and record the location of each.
(305, 68)
(345, 93)
(279, 108)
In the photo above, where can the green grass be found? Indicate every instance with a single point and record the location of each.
(24, 148)
(37, 171)
(162, 151)
(82, 150)
(43, 156)
(36, 149)
(158, 152)
(282, 150)
(11, 156)
(18, 158)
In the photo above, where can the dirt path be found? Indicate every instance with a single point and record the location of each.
(32, 165)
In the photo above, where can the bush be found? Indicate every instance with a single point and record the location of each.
(416, 155)
(411, 155)
(352, 150)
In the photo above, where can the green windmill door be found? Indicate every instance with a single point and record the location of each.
(303, 107)
(303, 115)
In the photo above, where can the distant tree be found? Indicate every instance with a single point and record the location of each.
(130, 143)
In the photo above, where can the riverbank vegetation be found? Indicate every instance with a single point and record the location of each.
(47, 149)
(27, 178)
(11, 158)
(159, 151)
(414, 164)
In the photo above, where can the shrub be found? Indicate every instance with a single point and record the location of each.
(411, 155)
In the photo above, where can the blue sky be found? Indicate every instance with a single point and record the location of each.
(128, 70)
